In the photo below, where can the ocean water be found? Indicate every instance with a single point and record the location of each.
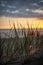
(7, 33)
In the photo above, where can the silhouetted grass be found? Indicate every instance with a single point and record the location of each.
(18, 48)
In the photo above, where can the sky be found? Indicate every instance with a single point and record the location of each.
(31, 9)
(21, 8)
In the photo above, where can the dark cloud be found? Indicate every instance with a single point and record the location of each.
(23, 8)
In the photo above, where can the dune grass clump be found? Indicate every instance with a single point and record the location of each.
(20, 45)
(30, 40)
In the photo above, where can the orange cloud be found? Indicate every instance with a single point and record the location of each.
(20, 22)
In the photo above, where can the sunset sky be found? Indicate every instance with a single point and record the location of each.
(21, 12)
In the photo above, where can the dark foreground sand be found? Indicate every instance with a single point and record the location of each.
(36, 59)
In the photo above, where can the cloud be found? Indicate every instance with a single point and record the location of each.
(3, 5)
(41, 8)
(37, 11)
(11, 6)
(8, 11)
(3, 1)
(12, 12)
(16, 11)
(34, 4)
(41, 1)
(27, 9)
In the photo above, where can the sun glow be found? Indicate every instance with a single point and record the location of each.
(7, 22)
